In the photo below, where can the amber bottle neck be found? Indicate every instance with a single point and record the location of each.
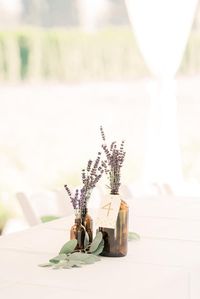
(84, 212)
(77, 216)
(114, 192)
(78, 221)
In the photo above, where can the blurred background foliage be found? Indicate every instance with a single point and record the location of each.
(45, 40)
(74, 55)
(71, 56)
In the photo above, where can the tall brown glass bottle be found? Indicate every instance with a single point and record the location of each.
(116, 240)
(78, 231)
(87, 222)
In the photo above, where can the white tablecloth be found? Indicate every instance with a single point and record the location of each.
(164, 264)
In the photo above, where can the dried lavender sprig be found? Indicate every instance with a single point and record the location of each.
(89, 180)
(68, 190)
(115, 159)
(83, 201)
(93, 176)
(74, 199)
(89, 165)
(96, 164)
(83, 176)
(102, 133)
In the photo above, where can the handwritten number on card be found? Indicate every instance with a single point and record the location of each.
(108, 208)
(108, 211)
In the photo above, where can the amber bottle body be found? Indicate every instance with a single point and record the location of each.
(78, 232)
(116, 240)
(87, 222)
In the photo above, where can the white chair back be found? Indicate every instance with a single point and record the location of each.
(28, 210)
(44, 203)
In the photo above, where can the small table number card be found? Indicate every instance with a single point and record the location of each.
(108, 211)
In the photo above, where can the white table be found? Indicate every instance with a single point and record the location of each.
(164, 264)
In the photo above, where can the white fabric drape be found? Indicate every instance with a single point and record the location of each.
(162, 29)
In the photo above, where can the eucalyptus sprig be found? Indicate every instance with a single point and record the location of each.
(68, 257)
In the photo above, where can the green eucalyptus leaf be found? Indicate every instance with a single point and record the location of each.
(46, 265)
(80, 256)
(67, 258)
(96, 242)
(68, 247)
(67, 266)
(75, 263)
(58, 258)
(96, 258)
(86, 240)
(86, 258)
(99, 249)
(91, 259)
(133, 236)
(60, 265)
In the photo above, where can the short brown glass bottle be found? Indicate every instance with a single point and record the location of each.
(116, 240)
(87, 222)
(78, 231)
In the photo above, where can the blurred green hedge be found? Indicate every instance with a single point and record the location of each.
(72, 55)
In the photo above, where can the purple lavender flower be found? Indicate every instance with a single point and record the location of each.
(90, 178)
(113, 163)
